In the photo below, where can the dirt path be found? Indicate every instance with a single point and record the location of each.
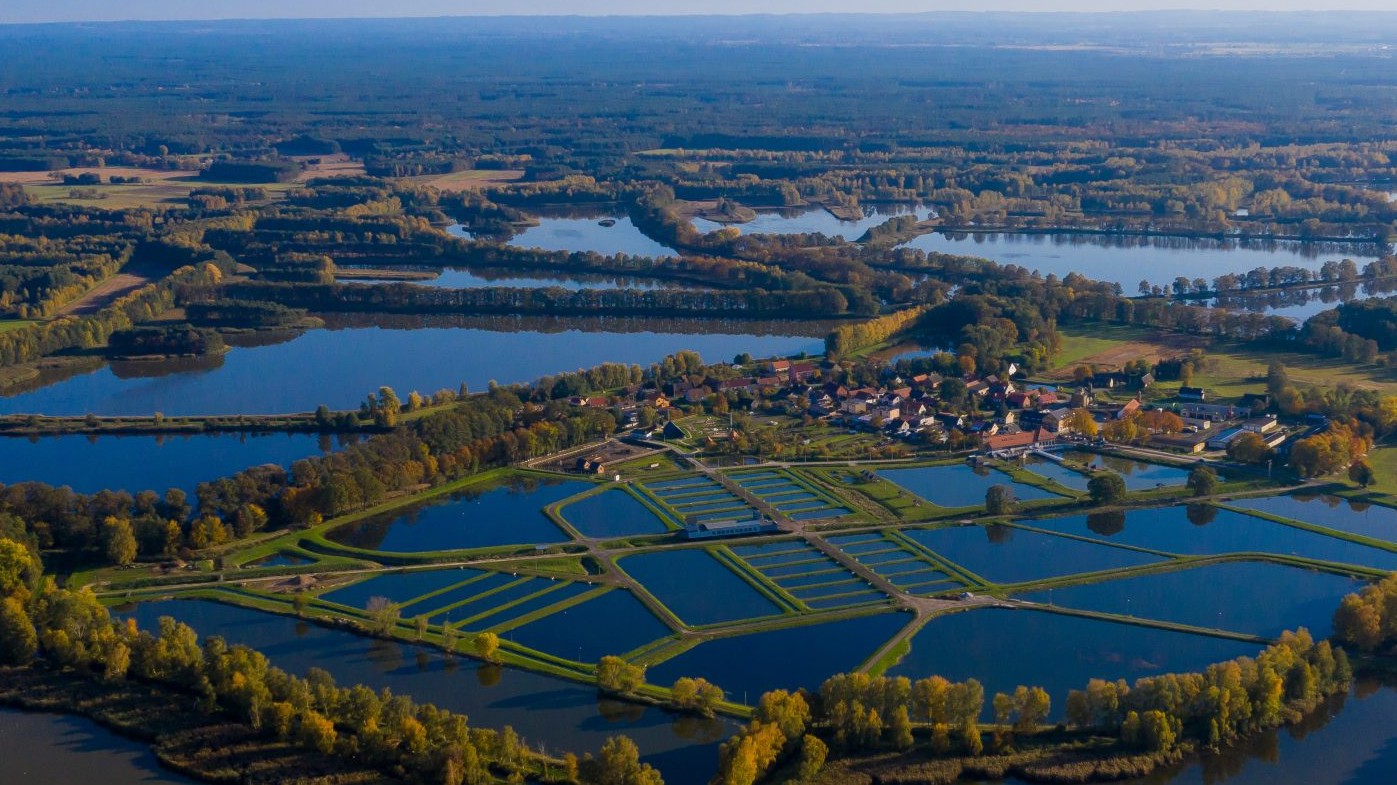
(105, 294)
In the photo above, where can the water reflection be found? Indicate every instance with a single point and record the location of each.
(339, 365)
(1126, 259)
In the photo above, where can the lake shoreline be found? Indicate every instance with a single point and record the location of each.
(168, 722)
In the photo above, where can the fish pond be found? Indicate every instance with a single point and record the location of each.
(1006, 648)
(959, 486)
(697, 587)
(1257, 598)
(1138, 475)
(506, 514)
(1205, 530)
(1005, 554)
(796, 657)
(613, 513)
(614, 623)
(1334, 512)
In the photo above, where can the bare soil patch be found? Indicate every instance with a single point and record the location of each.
(1157, 346)
(468, 180)
(105, 294)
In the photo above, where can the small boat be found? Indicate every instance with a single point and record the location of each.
(607, 222)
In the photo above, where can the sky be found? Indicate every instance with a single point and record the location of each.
(24, 11)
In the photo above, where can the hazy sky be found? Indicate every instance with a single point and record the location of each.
(109, 10)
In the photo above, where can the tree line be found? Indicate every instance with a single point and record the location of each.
(42, 625)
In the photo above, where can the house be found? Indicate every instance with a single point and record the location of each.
(1222, 440)
(1055, 420)
(1212, 411)
(1146, 381)
(951, 421)
(801, 372)
(1182, 442)
(769, 381)
(1017, 400)
(1131, 407)
(590, 465)
(736, 385)
(1192, 394)
(1047, 397)
(695, 394)
(1081, 399)
(1261, 424)
(928, 381)
(1017, 441)
(672, 431)
(978, 387)
(779, 366)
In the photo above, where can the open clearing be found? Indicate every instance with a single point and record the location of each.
(1231, 370)
(104, 294)
(468, 180)
(1110, 347)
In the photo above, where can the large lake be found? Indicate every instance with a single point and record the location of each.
(42, 749)
(339, 367)
(1128, 260)
(587, 234)
(815, 220)
(484, 278)
(89, 464)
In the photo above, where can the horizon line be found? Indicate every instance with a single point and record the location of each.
(723, 15)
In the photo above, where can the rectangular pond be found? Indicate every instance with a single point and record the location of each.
(1006, 648)
(614, 513)
(958, 486)
(1335, 512)
(792, 658)
(544, 597)
(1053, 470)
(399, 587)
(1004, 554)
(1138, 475)
(697, 588)
(1200, 530)
(1258, 598)
(614, 623)
(508, 514)
(429, 603)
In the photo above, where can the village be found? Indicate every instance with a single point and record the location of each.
(1001, 416)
